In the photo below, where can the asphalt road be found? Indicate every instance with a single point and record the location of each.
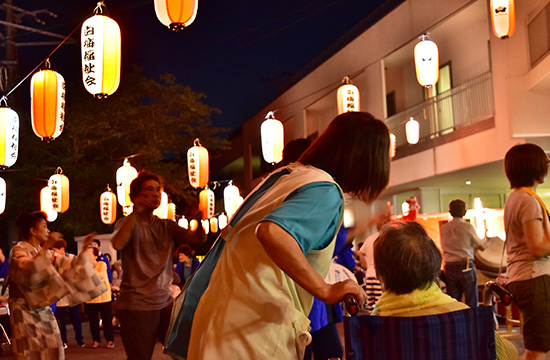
(73, 352)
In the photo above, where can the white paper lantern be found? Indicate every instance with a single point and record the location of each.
(9, 135)
(426, 61)
(231, 197)
(347, 97)
(124, 177)
(100, 42)
(47, 104)
(59, 186)
(272, 135)
(46, 203)
(222, 221)
(503, 18)
(412, 129)
(2, 195)
(183, 222)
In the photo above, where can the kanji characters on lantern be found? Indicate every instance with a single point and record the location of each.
(197, 165)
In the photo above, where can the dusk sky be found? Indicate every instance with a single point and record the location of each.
(239, 54)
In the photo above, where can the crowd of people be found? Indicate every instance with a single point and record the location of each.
(261, 293)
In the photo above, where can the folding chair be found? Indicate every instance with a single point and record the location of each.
(466, 334)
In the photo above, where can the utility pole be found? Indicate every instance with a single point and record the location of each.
(12, 56)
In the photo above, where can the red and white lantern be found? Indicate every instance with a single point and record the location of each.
(197, 165)
(107, 206)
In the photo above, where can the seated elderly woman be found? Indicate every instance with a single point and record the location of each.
(407, 264)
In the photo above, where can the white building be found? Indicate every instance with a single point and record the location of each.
(492, 93)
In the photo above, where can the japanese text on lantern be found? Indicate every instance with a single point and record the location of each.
(350, 100)
(88, 56)
(192, 167)
(56, 206)
(105, 208)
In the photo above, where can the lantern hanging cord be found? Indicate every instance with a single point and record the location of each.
(46, 59)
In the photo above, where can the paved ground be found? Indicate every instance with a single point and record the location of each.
(87, 353)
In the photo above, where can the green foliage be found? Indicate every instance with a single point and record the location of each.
(153, 122)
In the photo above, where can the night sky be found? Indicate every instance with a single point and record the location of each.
(239, 54)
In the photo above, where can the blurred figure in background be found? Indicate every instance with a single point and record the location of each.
(63, 309)
(186, 264)
(101, 306)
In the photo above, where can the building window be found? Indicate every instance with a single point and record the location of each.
(539, 35)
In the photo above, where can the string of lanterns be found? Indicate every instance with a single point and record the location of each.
(101, 60)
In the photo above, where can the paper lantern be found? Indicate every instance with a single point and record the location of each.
(197, 165)
(206, 203)
(127, 210)
(107, 206)
(214, 225)
(176, 14)
(426, 62)
(205, 223)
(46, 203)
(171, 215)
(222, 221)
(412, 129)
(9, 135)
(59, 186)
(2, 195)
(162, 210)
(193, 225)
(100, 41)
(124, 176)
(47, 104)
(231, 196)
(503, 18)
(272, 134)
(393, 145)
(347, 97)
(183, 222)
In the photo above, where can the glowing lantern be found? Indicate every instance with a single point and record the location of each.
(347, 97)
(176, 14)
(162, 210)
(214, 225)
(171, 215)
(46, 203)
(183, 222)
(206, 203)
(127, 210)
(59, 186)
(197, 165)
(272, 134)
(206, 225)
(412, 129)
(124, 176)
(100, 40)
(503, 18)
(231, 197)
(2, 195)
(426, 61)
(107, 206)
(193, 225)
(393, 145)
(47, 104)
(9, 135)
(222, 221)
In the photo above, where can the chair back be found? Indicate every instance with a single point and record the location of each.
(465, 334)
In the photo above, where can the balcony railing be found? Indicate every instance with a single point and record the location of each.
(461, 106)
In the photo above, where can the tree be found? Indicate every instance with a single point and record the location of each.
(153, 122)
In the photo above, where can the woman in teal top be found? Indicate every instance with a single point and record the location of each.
(251, 296)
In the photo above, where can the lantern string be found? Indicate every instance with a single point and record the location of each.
(46, 59)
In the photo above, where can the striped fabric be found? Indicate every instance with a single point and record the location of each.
(465, 334)
(374, 291)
